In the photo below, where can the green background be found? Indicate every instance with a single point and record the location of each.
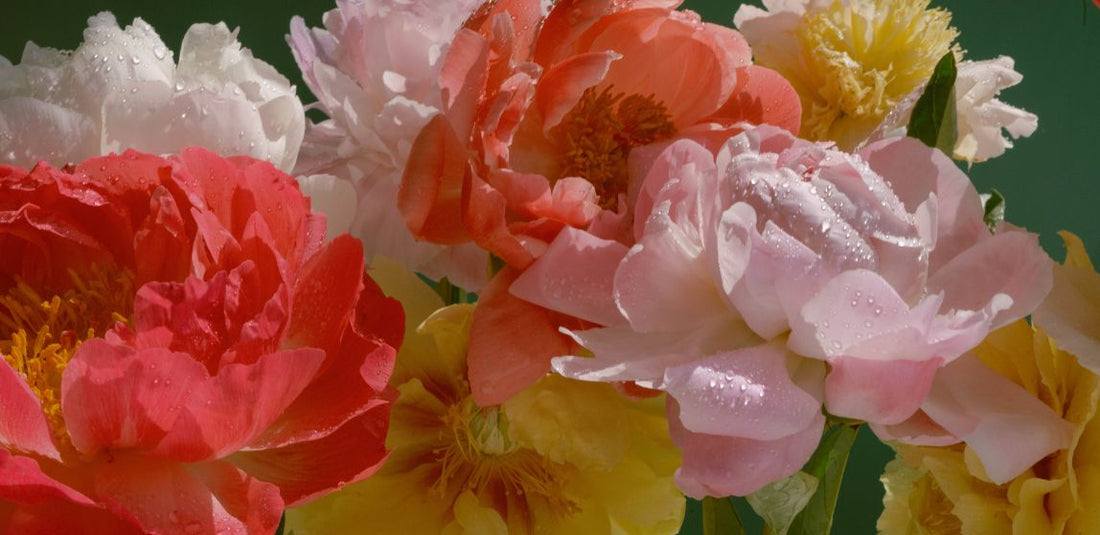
(1049, 180)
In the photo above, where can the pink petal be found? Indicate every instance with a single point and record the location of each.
(876, 391)
(23, 426)
(305, 470)
(988, 411)
(574, 277)
(729, 466)
(116, 397)
(511, 343)
(742, 393)
(227, 411)
(32, 503)
(918, 430)
(175, 498)
(914, 170)
(1010, 263)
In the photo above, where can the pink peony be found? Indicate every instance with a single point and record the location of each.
(542, 117)
(755, 269)
(182, 352)
(375, 70)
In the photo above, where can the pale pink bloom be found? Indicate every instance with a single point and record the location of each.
(121, 89)
(375, 70)
(754, 269)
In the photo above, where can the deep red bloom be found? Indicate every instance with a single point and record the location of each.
(184, 352)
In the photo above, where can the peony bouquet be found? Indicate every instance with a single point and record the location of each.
(530, 266)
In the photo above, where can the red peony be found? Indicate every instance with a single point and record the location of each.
(184, 353)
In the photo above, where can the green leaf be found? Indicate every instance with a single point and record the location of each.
(827, 466)
(778, 503)
(720, 518)
(282, 525)
(994, 204)
(934, 120)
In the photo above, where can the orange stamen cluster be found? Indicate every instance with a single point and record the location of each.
(596, 136)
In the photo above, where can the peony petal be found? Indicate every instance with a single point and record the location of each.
(24, 427)
(988, 411)
(574, 277)
(430, 195)
(462, 79)
(761, 96)
(306, 470)
(211, 424)
(885, 393)
(1010, 263)
(741, 393)
(729, 466)
(562, 85)
(511, 343)
(1071, 313)
(172, 498)
(116, 397)
(325, 295)
(484, 214)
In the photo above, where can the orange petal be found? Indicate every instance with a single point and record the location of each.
(430, 195)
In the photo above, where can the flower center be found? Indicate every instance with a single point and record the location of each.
(865, 55)
(482, 455)
(38, 335)
(596, 137)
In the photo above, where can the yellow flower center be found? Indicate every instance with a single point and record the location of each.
(864, 56)
(481, 456)
(38, 335)
(596, 137)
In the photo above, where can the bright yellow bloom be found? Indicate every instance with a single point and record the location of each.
(851, 61)
(933, 491)
(561, 457)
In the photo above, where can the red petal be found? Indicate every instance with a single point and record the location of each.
(307, 470)
(378, 315)
(325, 295)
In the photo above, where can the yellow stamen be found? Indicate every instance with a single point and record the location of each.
(864, 56)
(39, 335)
(596, 137)
(481, 455)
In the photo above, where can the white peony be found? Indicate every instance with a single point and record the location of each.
(121, 89)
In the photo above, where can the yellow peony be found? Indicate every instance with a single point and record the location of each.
(561, 457)
(934, 491)
(851, 61)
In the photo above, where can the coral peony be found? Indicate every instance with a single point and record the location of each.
(375, 70)
(561, 457)
(754, 269)
(182, 352)
(543, 118)
(120, 89)
(945, 490)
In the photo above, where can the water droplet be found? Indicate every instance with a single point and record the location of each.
(135, 60)
(878, 311)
